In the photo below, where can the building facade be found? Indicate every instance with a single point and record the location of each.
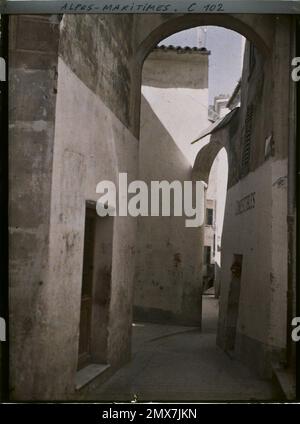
(254, 274)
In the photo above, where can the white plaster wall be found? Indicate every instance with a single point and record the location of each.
(176, 87)
(169, 259)
(217, 190)
(183, 113)
(262, 313)
(168, 273)
(260, 234)
(91, 145)
(226, 55)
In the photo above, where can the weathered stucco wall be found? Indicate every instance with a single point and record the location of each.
(93, 144)
(54, 174)
(33, 48)
(87, 132)
(175, 84)
(98, 49)
(168, 280)
(257, 229)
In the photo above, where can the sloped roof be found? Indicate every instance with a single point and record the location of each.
(234, 94)
(219, 124)
(180, 49)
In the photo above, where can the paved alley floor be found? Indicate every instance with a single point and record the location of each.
(173, 363)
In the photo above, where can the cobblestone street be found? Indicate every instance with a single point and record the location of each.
(175, 363)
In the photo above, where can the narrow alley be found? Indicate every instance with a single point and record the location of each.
(175, 363)
(151, 159)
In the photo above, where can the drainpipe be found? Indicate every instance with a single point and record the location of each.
(4, 362)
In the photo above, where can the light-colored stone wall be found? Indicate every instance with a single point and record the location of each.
(217, 190)
(33, 55)
(92, 145)
(69, 129)
(168, 279)
(175, 84)
(258, 232)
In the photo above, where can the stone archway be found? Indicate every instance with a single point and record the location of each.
(152, 29)
(205, 160)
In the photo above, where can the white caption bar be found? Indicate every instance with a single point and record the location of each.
(154, 6)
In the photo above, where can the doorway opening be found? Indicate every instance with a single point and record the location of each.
(96, 292)
(215, 201)
(233, 302)
(85, 328)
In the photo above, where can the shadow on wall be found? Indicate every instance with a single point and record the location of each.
(168, 59)
(169, 257)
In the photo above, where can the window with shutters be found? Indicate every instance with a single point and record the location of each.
(246, 152)
(252, 59)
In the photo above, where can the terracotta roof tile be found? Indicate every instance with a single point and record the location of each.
(180, 49)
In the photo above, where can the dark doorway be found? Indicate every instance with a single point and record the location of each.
(84, 356)
(233, 302)
(96, 288)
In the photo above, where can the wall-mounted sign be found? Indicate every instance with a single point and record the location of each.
(245, 204)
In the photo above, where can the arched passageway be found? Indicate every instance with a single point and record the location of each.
(151, 31)
(247, 200)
